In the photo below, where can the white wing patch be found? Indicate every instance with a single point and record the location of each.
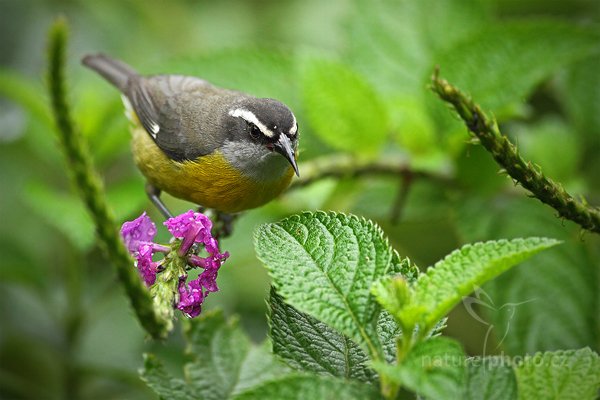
(249, 116)
(129, 113)
(131, 116)
(155, 129)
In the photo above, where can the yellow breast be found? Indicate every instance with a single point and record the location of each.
(209, 181)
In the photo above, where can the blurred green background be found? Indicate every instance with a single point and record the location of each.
(355, 72)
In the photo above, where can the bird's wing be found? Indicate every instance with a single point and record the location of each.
(145, 108)
(171, 108)
(159, 102)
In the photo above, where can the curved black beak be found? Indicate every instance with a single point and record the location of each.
(284, 147)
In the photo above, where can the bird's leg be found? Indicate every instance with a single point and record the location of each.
(224, 224)
(154, 195)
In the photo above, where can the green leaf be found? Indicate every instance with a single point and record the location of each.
(219, 349)
(127, 197)
(224, 359)
(434, 369)
(552, 144)
(501, 63)
(306, 344)
(64, 211)
(393, 43)
(490, 378)
(223, 362)
(581, 98)
(259, 71)
(563, 374)
(300, 387)
(324, 264)
(522, 308)
(163, 384)
(344, 110)
(25, 93)
(412, 126)
(20, 267)
(258, 367)
(462, 271)
(393, 293)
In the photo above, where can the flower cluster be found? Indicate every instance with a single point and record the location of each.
(194, 230)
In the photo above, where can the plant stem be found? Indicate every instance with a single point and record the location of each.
(506, 155)
(406, 181)
(90, 186)
(73, 324)
(343, 166)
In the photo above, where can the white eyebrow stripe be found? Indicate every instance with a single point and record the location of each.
(294, 128)
(250, 117)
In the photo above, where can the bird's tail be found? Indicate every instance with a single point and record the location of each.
(116, 72)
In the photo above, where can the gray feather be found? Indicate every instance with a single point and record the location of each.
(116, 72)
(188, 117)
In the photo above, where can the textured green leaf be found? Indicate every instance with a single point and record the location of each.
(223, 362)
(563, 374)
(388, 330)
(490, 378)
(434, 369)
(258, 367)
(301, 387)
(393, 293)
(343, 109)
(307, 344)
(220, 351)
(462, 271)
(163, 384)
(324, 264)
(523, 306)
(501, 64)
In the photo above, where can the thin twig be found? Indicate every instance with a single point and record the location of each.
(506, 155)
(342, 166)
(90, 186)
(406, 181)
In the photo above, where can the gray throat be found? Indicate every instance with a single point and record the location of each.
(255, 160)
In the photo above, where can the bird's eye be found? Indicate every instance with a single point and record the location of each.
(255, 132)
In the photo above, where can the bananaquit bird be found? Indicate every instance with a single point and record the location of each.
(218, 148)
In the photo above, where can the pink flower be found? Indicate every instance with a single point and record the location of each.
(138, 236)
(194, 227)
(191, 227)
(190, 297)
(145, 265)
(141, 229)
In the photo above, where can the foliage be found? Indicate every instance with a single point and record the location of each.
(342, 332)
(571, 373)
(355, 72)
